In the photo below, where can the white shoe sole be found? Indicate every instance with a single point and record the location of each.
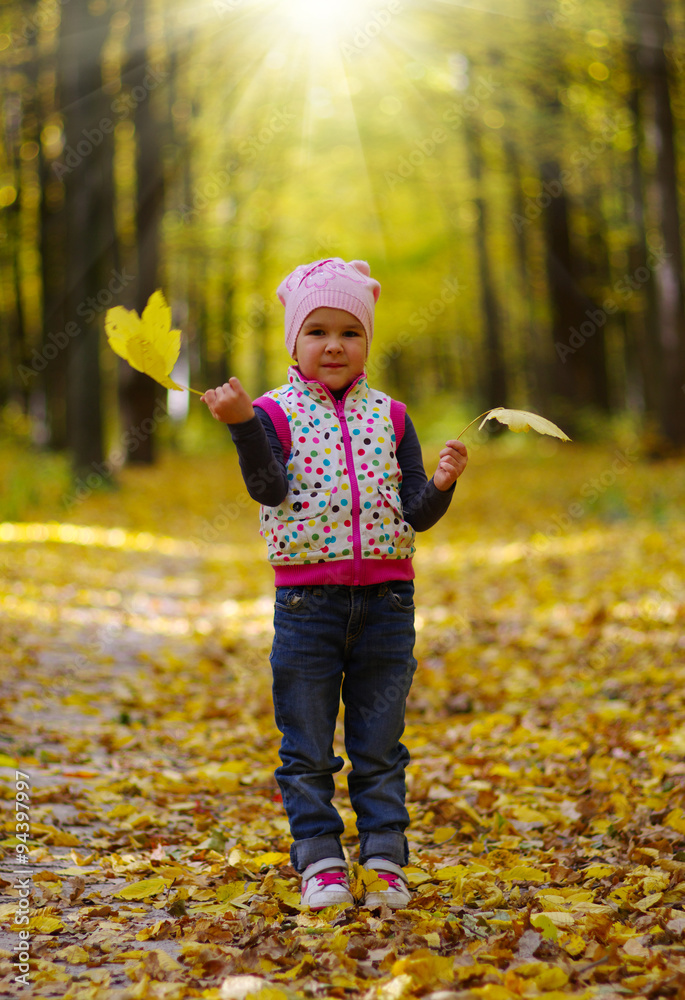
(319, 903)
(395, 900)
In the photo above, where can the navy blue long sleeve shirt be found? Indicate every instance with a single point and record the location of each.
(263, 466)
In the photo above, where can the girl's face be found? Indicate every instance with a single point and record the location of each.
(331, 347)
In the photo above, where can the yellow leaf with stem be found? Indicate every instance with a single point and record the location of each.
(519, 420)
(147, 342)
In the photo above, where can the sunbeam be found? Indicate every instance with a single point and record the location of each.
(324, 20)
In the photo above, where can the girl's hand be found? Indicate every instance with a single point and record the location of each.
(229, 403)
(453, 459)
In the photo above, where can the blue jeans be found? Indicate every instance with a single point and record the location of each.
(359, 640)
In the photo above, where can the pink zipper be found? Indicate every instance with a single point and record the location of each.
(354, 485)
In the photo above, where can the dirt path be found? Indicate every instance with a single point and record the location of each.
(547, 732)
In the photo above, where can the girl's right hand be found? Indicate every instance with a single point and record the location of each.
(229, 403)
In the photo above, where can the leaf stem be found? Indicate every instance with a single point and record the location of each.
(188, 389)
(474, 420)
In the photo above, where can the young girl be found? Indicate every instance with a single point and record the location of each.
(338, 471)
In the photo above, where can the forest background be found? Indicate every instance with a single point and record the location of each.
(512, 170)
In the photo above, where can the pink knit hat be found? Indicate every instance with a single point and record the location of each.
(332, 282)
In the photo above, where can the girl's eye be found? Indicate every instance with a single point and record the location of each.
(352, 333)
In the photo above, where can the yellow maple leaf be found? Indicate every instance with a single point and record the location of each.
(59, 838)
(424, 967)
(676, 820)
(271, 858)
(598, 871)
(523, 873)
(573, 944)
(557, 918)
(648, 901)
(282, 890)
(416, 877)
(74, 954)
(524, 814)
(146, 887)
(675, 895)
(449, 873)
(229, 891)
(44, 922)
(443, 833)
(147, 342)
(544, 976)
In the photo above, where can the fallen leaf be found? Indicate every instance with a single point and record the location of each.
(146, 887)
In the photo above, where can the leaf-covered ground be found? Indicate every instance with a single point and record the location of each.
(546, 727)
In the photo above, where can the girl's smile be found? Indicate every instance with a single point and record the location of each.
(331, 347)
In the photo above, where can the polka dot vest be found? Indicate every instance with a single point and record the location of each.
(344, 496)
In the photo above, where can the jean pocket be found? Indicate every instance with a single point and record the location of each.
(292, 599)
(400, 596)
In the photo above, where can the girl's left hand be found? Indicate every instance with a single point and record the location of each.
(453, 459)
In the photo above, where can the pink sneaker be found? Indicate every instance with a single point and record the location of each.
(325, 883)
(397, 894)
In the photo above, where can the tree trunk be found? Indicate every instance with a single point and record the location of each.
(531, 349)
(90, 225)
(138, 393)
(19, 351)
(223, 367)
(17, 358)
(579, 373)
(53, 275)
(594, 277)
(260, 326)
(642, 327)
(494, 379)
(653, 35)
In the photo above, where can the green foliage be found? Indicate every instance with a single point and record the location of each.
(417, 138)
(32, 479)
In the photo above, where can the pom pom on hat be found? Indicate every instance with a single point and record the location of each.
(332, 282)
